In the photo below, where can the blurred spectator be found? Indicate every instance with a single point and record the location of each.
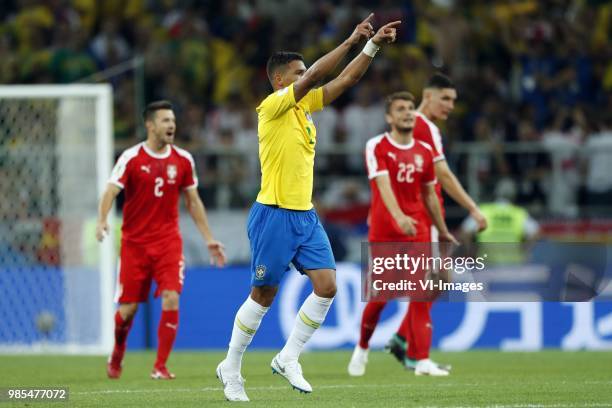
(71, 61)
(227, 116)
(192, 125)
(598, 156)
(231, 172)
(343, 208)
(531, 168)
(327, 123)
(362, 120)
(247, 142)
(507, 221)
(562, 137)
(509, 226)
(109, 47)
(490, 166)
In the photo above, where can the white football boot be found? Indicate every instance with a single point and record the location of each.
(292, 371)
(359, 360)
(428, 367)
(233, 385)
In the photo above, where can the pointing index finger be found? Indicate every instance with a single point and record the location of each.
(393, 24)
(368, 18)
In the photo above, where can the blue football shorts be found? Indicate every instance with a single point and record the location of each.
(281, 237)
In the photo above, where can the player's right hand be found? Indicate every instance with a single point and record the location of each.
(363, 30)
(217, 253)
(407, 224)
(101, 230)
(447, 237)
(386, 33)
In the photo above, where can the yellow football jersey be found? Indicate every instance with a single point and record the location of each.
(287, 138)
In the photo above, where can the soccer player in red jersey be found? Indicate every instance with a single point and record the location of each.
(412, 341)
(438, 102)
(402, 179)
(152, 175)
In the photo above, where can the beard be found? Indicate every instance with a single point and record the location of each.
(165, 139)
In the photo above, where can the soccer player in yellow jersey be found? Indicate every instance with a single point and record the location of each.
(283, 227)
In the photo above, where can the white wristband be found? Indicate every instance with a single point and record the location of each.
(370, 49)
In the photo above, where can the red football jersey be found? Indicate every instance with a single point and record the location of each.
(152, 184)
(426, 131)
(408, 166)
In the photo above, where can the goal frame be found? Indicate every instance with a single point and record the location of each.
(103, 95)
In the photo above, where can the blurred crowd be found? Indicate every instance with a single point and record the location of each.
(526, 71)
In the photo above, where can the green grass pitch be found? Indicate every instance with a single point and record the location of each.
(478, 379)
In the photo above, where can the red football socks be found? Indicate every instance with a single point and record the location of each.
(404, 330)
(419, 331)
(122, 328)
(369, 320)
(166, 333)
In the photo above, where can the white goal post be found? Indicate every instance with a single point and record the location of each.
(56, 281)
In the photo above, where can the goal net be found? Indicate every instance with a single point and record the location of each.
(56, 281)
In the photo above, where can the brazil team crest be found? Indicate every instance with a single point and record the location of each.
(260, 272)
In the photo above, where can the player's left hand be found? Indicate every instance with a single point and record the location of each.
(448, 237)
(386, 33)
(217, 253)
(480, 219)
(363, 30)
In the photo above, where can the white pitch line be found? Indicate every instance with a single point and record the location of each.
(348, 386)
(344, 386)
(268, 388)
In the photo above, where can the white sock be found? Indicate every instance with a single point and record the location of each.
(309, 318)
(247, 321)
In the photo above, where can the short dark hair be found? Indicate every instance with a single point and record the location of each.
(440, 81)
(401, 95)
(153, 107)
(279, 59)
